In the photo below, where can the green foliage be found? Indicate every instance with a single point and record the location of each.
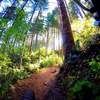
(16, 59)
(46, 62)
(3, 25)
(4, 87)
(19, 74)
(46, 59)
(51, 60)
(95, 66)
(40, 52)
(33, 67)
(9, 73)
(52, 19)
(4, 63)
(71, 10)
(81, 78)
(3, 22)
(7, 79)
(15, 33)
(79, 84)
(83, 32)
(81, 89)
(10, 70)
(38, 26)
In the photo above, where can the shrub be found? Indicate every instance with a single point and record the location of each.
(83, 35)
(12, 75)
(16, 59)
(33, 67)
(19, 74)
(5, 63)
(9, 74)
(53, 59)
(40, 53)
(83, 90)
(95, 66)
(4, 88)
(78, 85)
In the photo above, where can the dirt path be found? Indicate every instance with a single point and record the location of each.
(39, 83)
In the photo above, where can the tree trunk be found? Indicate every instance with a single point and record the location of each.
(47, 42)
(36, 41)
(30, 48)
(67, 36)
(54, 39)
(58, 39)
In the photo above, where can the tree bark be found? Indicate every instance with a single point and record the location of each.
(36, 41)
(31, 44)
(67, 36)
(47, 42)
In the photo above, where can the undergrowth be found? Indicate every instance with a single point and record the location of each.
(80, 77)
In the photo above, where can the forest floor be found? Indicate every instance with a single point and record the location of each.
(40, 83)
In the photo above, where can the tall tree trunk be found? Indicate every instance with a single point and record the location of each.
(36, 41)
(47, 42)
(30, 48)
(58, 39)
(55, 42)
(68, 41)
(36, 4)
(31, 44)
(54, 38)
(23, 44)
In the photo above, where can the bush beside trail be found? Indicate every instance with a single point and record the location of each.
(80, 75)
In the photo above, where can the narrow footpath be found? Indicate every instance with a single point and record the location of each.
(39, 83)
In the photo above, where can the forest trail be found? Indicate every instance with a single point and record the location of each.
(40, 83)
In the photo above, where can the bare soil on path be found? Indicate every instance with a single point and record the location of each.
(40, 83)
